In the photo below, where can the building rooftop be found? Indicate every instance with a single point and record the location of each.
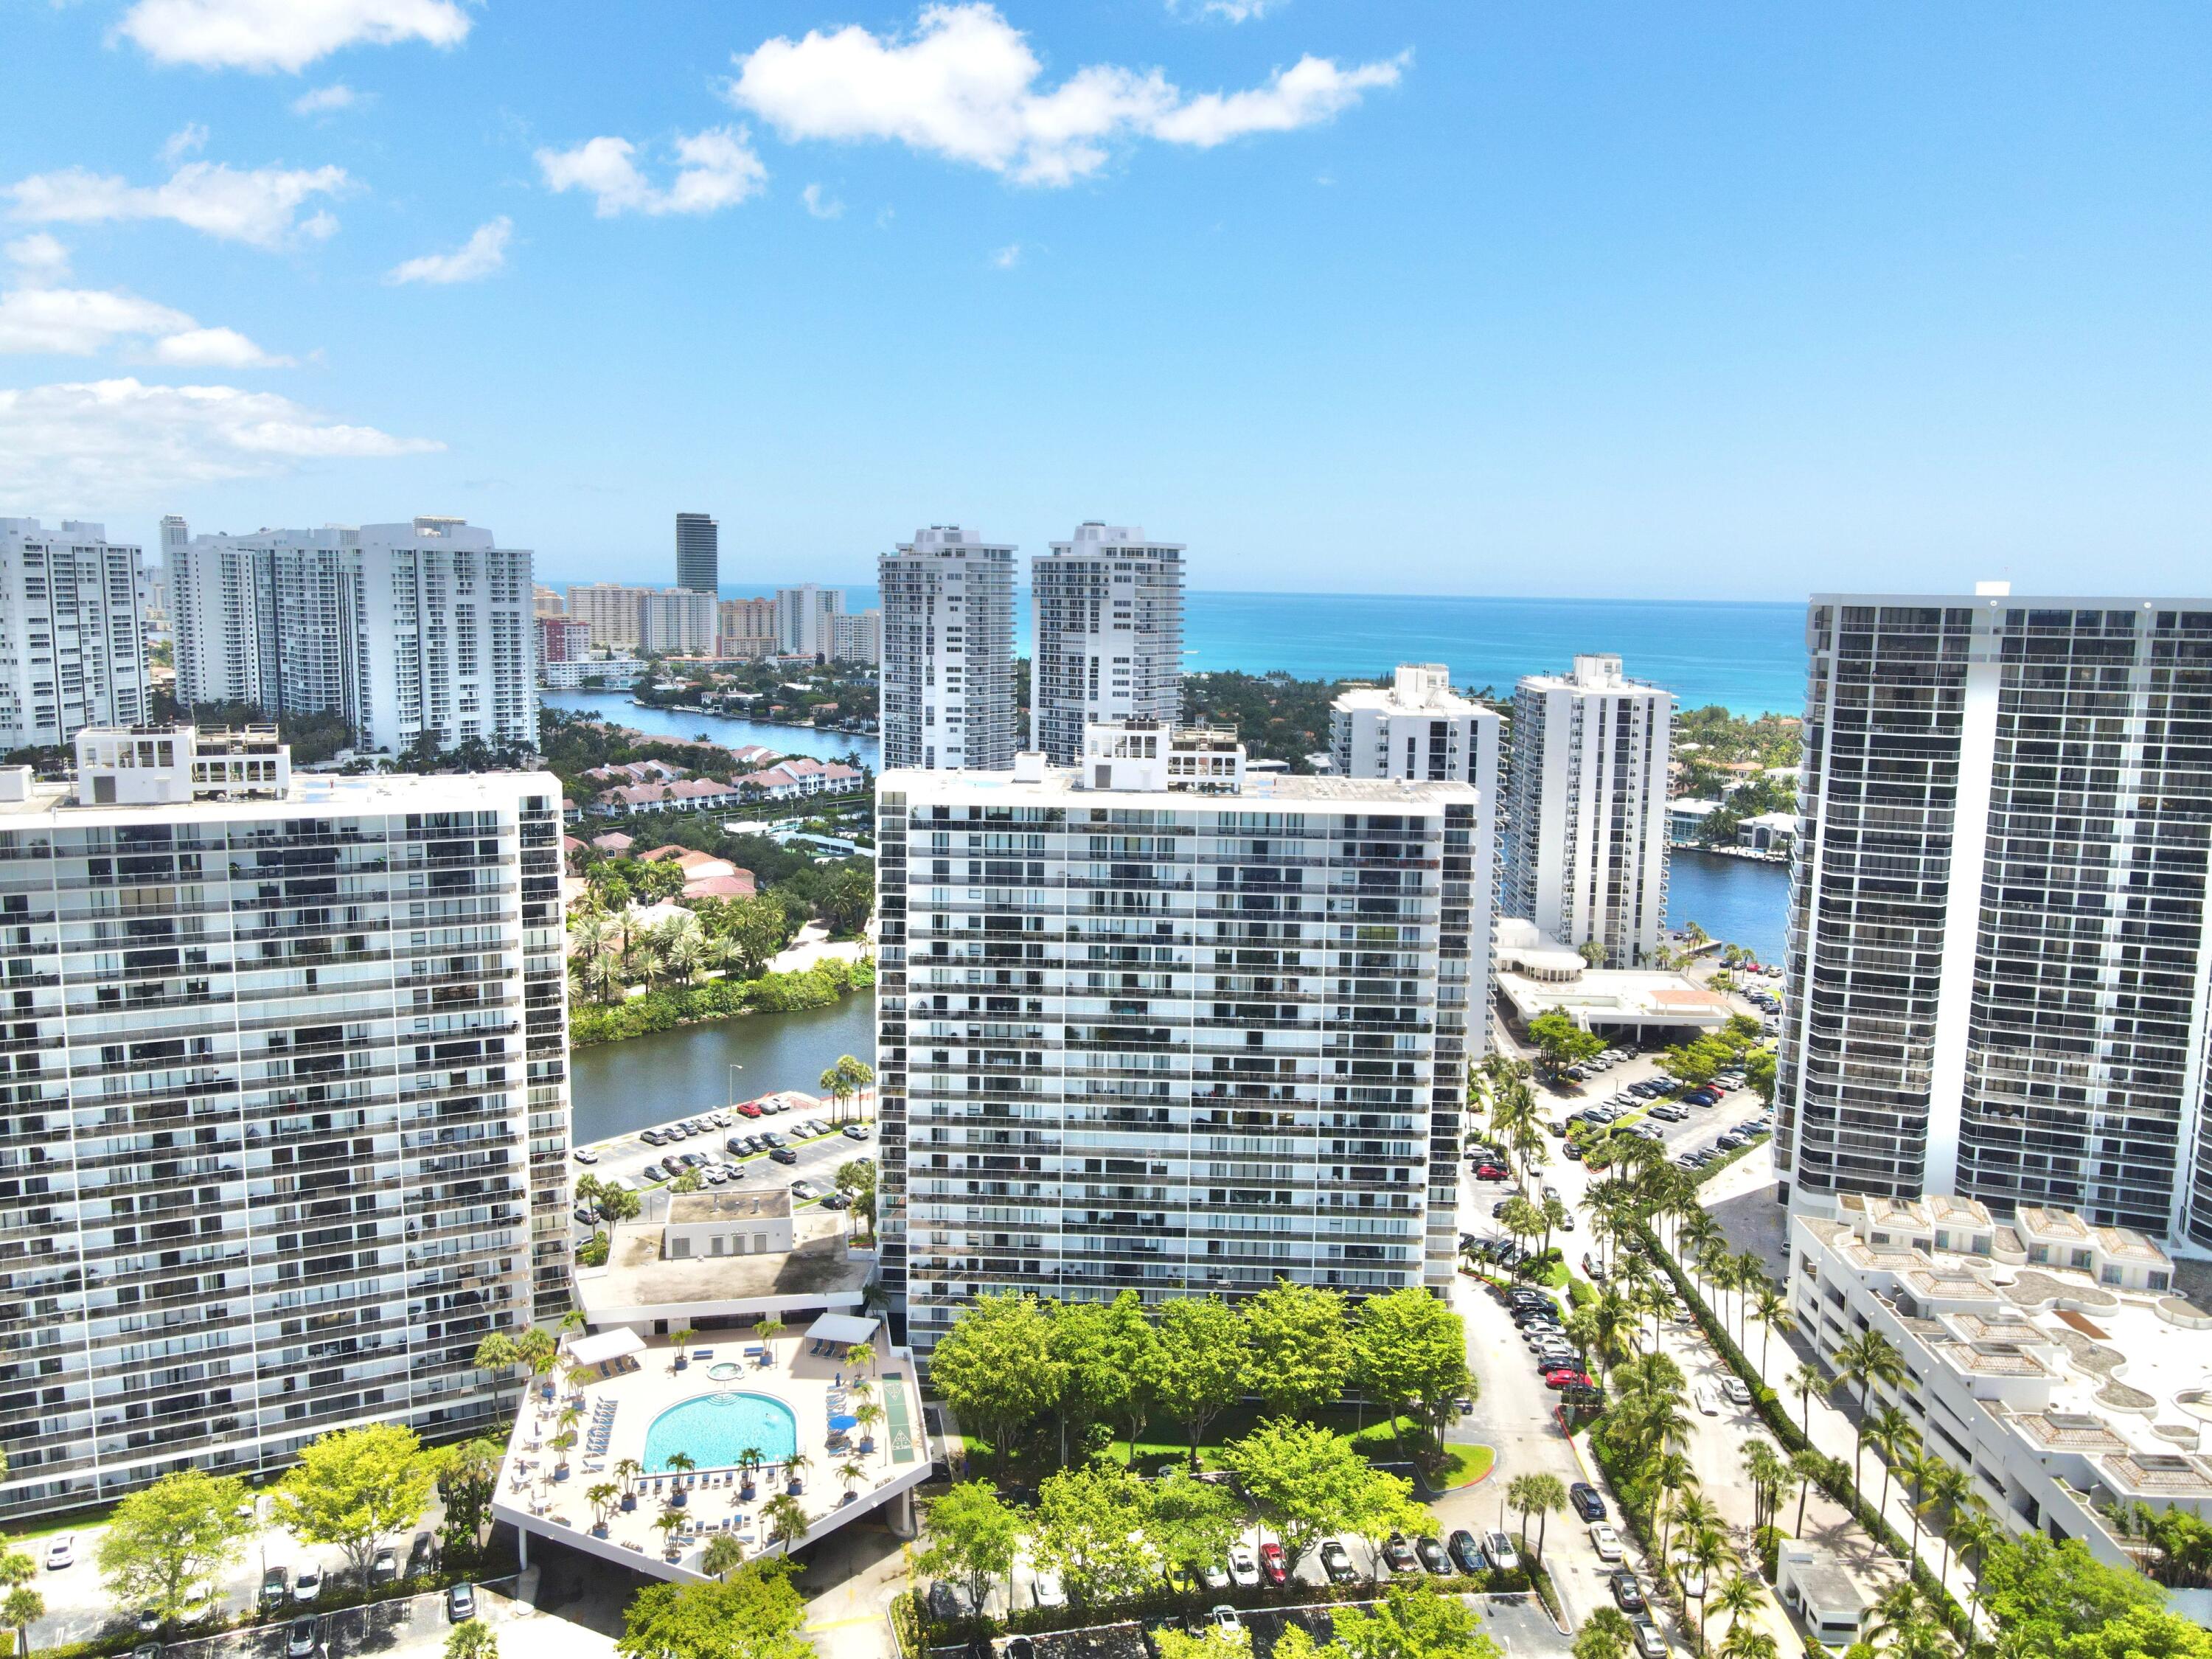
(637, 1275)
(1063, 787)
(729, 1204)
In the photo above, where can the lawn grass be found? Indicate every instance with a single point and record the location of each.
(1464, 1464)
(1156, 1450)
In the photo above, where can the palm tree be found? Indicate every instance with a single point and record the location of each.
(768, 1328)
(726, 1554)
(669, 1521)
(1768, 1470)
(1749, 1642)
(1862, 1361)
(749, 1460)
(1973, 1531)
(794, 1466)
(867, 1414)
(1808, 1465)
(861, 1356)
(1771, 1310)
(19, 1609)
(1535, 1494)
(1894, 1439)
(1692, 1513)
(496, 1353)
(1708, 1551)
(1806, 1382)
(678, 1463)
(785, 1517)
(852, 1472)
(626, 1471)
(1741, 1597)
(602, 1498)
(1917, 1470)
(1946, 1487)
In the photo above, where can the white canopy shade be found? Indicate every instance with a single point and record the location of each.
(607, 1345)
(842, 1328)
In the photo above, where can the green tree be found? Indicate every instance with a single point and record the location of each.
(496, 1355)
(1606, 1634)
(972, 1538)
(2140, 1632)
(1089, 1529)
(753, 1614)
(169, 1537)
(356, 1488)
(1410, 1351)
(2044, 1596)
(1299, 1347)
(1191, 1522)
(724, 1555)
(471, 1638)
(19, 1609)
(848, 900)
(1133, 1349)
(468, 1480)
(1082, 1341)
(1540, 1495)
(1202, 1361)
(1412, 1622)
(856, 1179)
(1307, 1482)
(1759, 1073)
(1560, 1041)
(842, 1081)
(996, 1368)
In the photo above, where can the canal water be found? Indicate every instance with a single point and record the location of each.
(616, 708)
(1742, 901)
(617, 1087)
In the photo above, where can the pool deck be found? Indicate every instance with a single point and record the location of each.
(541, 1495)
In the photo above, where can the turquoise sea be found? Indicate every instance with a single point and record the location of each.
(1750, 659)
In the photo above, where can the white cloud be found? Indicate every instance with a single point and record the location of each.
(213, 348)
(821, 206)
(262, 35)
(964, 85)
(328, 100)
(187, 140)
(1007, 257)
(259, 206)
(72, 446)
(1229, 11)
(77, 322)
(40, 257)
(717, 168)
(484, 253)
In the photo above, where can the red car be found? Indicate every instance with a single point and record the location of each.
(1490, 1172)
(748, 1109)
(1566, 1376)
(1272, 1567)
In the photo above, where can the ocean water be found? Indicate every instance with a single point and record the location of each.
(1740, 900)
(1749, 659)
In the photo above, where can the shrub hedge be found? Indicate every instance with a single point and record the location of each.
(718, 999)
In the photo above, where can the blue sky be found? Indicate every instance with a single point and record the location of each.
(1709, 301)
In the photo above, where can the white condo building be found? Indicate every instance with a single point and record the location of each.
(614, 611)
(283, 1127)
(2000, 968)
(1156, 1023)
(1106, 636)
(805, 619)
(677, 622)
(947, 679)
(1586, 810)
(857, 637)
(72, 644)
(399, 629)
(1419, 728)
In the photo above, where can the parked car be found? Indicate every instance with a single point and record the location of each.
(1243, 1568)
(1566, 1376)
(62, 1552)
(1627, 1592)
(654, 1172)
(1586, 1500)
(836, 1202)
(1046, 1591)
(1215, 1577)
(946, 1600)
(736, 1145)
(586, 1155)
(750, 1108)
(201, 1604)
(1689, 1575)
(715, 1175)
(276, 1588)
(783, 1155)
(1490, 1172)
(771, 1138)
(300, 1640)
(654, 1138)
(1224, 1617)
(461, 1602)
(308, 1583)
(1432, 1556)
(1737, 1390)
(1649, 1644)
(805, 1190)
(720, 1120)
(1274, 1566)
(1336, 1562)
(1466, 1551)
(855, 1132)
(1605, 1540)
(422, 1555)
(1502, 1555)
(1708, 1402)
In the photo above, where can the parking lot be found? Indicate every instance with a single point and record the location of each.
(804, 1156)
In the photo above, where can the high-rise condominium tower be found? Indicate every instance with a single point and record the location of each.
(1107, 609)
(2000, 937)
(1149, 1024)
(698, 552)
(1586, 808)
(805, 618)
(399, 629)
(72, 644)
(948, 653)
(676, 622)
(1418, 728)
(284, 1121)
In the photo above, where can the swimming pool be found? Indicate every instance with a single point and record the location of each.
(712, 1429)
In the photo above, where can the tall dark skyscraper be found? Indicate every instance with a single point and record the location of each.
(698, 552)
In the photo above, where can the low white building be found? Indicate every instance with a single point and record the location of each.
(1686, 819)
(1537, 975)
(2045, 1356)
(1812, 1583)
(1768, 832)
(615, 671)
